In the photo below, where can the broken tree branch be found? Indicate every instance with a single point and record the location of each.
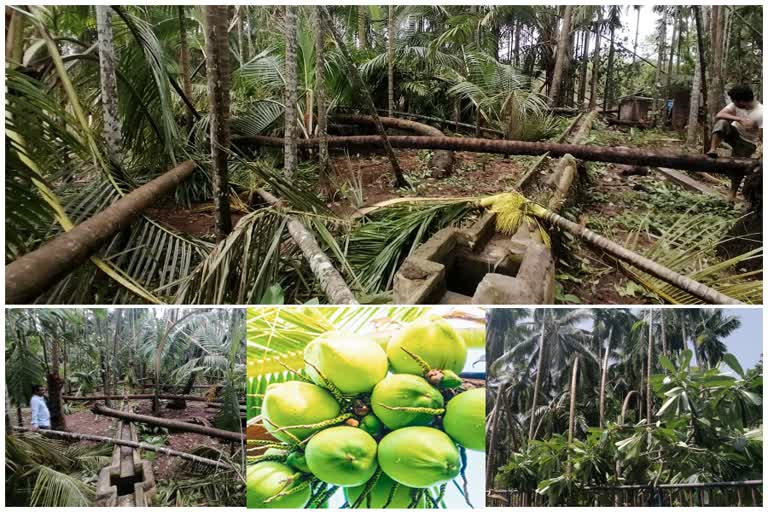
(143, 446)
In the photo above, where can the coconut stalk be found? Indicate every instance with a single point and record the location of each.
(697, 163)
(333, 285)
(180, 426)
(133, 444)
(34, 273)
(354, 74)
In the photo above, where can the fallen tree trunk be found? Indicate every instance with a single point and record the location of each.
(333, 285)
(143, 396)
(35, 272)
(143, 446)
(442, 160)
(728, 166)
(436, 120)
(181, 426)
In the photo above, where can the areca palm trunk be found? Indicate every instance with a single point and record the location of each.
(662, 42)
(716, 66)
(572, 410)
(693, 111)
(648, 397)
(608, 94)
(186, 79)
(219, 82)
(562, 57)
(361, 27)
(391, 37)
(111, 129)
(584, 66)
(291, 91)
(700, 49)
(320, 101)
(357, 81)
(595, 63)
(537, 382)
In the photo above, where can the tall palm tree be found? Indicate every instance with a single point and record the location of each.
(562, 56)
(320, 96)
(219, 82)
(391, 39)
(291, 92)
(111, 130)
(184, 65)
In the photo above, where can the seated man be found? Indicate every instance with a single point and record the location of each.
(740, 124)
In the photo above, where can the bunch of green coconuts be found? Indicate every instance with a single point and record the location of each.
(386, 420)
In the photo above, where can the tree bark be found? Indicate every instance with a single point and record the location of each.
(391, 38)
(111, 129)
(537, 382)
(716, 91)
(699, 163)
(32, 274)
(241, 49)
(400, 181)
(648, 396)
(662, 43)
(701, 50)
(320, 100)
(608, 94)
(291, 92)
(572, 409)
(180, 426)
(362, 38)
(595, 64)
(693, 112)
(561, 58)
(604, 377)
(671, 61)
(333, 285)
(55, 387)
(584, 69)
(219, 82)
(186, 78)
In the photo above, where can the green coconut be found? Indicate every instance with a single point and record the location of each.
(433, 340)
(351, 362)
(371, 424)
(464, 419)
(342, 456)
(419, 457)
(380, 494)
(296, 403)
(404, 390)
(298, 461)
(268, 479)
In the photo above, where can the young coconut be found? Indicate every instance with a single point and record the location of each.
(294, 410)
(371, 424)
(419, 457)
(464, 419)
(385, 492)
(404, 400)
(351, 363)
(275, 485)
(342, 456)
(429, 347)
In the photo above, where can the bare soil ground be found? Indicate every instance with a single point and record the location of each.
(473, 175)
(197, 221)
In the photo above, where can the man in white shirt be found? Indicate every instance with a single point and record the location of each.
(41, 417)
(740, 124)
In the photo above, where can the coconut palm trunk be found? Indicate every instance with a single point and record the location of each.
(357, 81)
(604, 377)
(537, 382)
(111, 130)
(561, 58)
(572, 410)
(584, 69)
(661, 44)
(320, 100)
(186, 78)
(648, 396)
(391, 38)
(291, 92)
(596, 62)
(701, 50)
(609, 86)
(362, 27)
(716, 43)
(693, 112)
(219, 82)
(55, 387)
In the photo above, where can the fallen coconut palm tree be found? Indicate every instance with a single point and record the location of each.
(698, 163)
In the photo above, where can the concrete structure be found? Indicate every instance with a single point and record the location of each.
(635, 109)
(477, 265)
(128, 481)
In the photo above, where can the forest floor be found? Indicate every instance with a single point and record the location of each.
(164, 467)
(617, 201)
